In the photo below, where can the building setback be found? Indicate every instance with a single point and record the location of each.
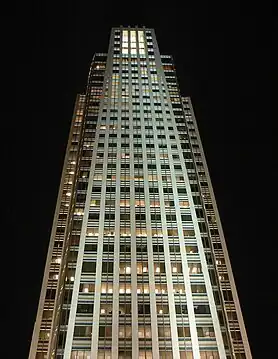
(137, 265)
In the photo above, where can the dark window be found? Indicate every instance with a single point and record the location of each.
(125, 216)
(140, 217)
(90, 247)
(125, 189)
(85, 308)
(199, 213)
(111, 189)
(93, 215)
(89, 267)
(108, 248)
(167, 190)
(181, 309)
(201, 309)
(155, 217)
(171, 217)
(96, 189)
(50, 294)
(186, 217)
(144, 309)
(109, 216)
(158, 248)
(202, 227)
(197, 200)
(181, 190)
(194, 187)
(107, 267)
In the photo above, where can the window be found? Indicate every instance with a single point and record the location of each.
(194, 268)
(144, 309)
(164, 332)
(83, 331)
(205, 332)
(184, 204)
(191, 249)
(89, 267)
(183, 332)
(105, 332)
(181, 308)
(107, 267)
(85, 308)
(201, 309)
(80, 354)
(198, 288)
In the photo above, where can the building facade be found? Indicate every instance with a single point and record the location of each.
(137, 265)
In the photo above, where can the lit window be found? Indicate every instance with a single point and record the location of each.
(79, 212)
(184, 204)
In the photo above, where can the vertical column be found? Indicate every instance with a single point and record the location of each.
(116, 286)
(134, 304)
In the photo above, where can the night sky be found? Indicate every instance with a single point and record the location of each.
(223, 60)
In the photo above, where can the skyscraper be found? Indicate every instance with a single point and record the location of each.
(137, 265)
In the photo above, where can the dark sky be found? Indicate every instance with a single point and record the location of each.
(223, 56)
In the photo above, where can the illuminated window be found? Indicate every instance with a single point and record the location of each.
(142, 268)
(139, 203)
(92, 232)
(95, 202)
(125, 268)
(184, 204)
(194, 268)
(141, 232)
